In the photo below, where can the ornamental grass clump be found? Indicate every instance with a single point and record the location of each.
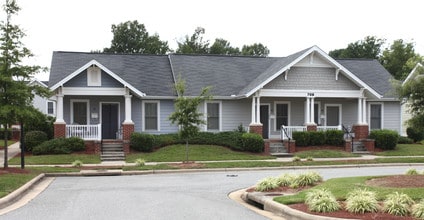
(321, 200)
(140, 162)
(285, 179)
(77, 163)
(267, 184)
(296, 159)
(397, 204)
(411, 171)
(306, 179)
(361, 201)
(418, 210)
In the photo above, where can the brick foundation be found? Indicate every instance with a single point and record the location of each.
(256, 129)
(361, 131)
(92, 147)
(290, 146)
(126, 146)
(59, 130)
(267, 148)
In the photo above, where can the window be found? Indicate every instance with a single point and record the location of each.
(79, 112)
(151, 116)
(282, 115)
(375, 116)
(94, 76)
(212, 111)
(50, 108)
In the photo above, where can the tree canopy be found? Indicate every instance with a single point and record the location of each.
(132, 37)
(194, 44)
(16, 94)
(370, 47)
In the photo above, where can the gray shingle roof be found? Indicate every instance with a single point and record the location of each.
(150, 74)
(372, 73)
(228, 75)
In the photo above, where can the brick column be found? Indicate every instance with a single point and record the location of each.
(369, 144)
(348, 145)
(256, 129)
(59, 130)
(311, 127)
(290, 146)
(361, 131)
(127, 130)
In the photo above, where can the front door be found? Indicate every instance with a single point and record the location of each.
(265, 121)
(333, 116)
(109, 120)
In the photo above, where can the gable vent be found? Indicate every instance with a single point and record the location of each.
(94, 76)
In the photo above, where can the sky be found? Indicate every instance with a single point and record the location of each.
(285, 27)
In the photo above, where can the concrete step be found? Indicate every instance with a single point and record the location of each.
(358, 146)
(112, 151)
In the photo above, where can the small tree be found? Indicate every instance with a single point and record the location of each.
(186, 115)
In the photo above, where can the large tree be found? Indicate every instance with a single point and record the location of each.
(400, 58)
(186, 114)
(256, 49)
(194, 44)
(370, 47)
(132, 37)
(221, 46)
(16, 95)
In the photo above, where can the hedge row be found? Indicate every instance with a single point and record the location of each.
(9, 134)
(232, 139)
(385, 139)
(60, 146)
(317, 138)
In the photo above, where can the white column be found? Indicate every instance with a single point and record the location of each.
(308, 111)
(258, 107)
(364, 110)
(359, 110)
(59, 109)
(128, 119)
(253, 110)
(312, 115)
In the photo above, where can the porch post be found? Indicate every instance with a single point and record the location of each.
(364, 110)
(359, 110)
(59, 124)
(258, 107)
(59, 108)
(308, 111)
(253, 110)
(255, 126)
(312, 115)
(128, 116)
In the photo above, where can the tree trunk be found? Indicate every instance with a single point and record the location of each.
(186, 159)
(6, 164)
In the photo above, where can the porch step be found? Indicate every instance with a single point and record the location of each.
(358, 146)
(112, 151)
(277, 147)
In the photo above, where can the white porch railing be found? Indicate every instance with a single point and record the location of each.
(86, 132)
(290, 129)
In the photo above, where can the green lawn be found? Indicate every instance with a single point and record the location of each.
(404, 150)
(57, 159)
(8, 143)
(175, 153)
(325, 154)
(341, 186)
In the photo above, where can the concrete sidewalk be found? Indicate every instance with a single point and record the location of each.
(12, 151)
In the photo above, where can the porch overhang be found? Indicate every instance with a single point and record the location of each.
(314, 93)
(97, 91)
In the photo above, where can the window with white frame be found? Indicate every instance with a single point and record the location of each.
(375, 116)
(50, 108)
(151, 116)
(281, 115)
(213, 115)
(80, 112)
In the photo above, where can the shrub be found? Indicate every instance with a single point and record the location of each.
(267, 184)
(252, 142)
(361, 201)
(418, 210)
(285, 179)
(309, 158)
(321, 200)
(411, 171)
(39, 122)
(162, 140)
(301, 137)
(316, 138)
(74, 144)
(77, 163)
(296, 159)
(142, 142)
(385, 139)
(306, 179)
(397, 204)
(415, 134)
(33, 139)
(9, 134)
(405, 140)
(334, 137)
(53, 146)
(230, 139)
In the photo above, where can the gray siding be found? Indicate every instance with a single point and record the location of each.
(392, 113)
(235, 113)
(81, 81)
(166, 108)
(312, 78)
